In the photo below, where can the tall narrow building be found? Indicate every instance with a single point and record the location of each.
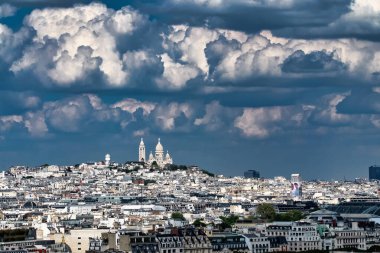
(296, 191)
(142, 151)
(374, 172)
(107, 159)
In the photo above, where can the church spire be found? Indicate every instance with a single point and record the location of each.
(142, 151)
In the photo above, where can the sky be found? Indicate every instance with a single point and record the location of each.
(282, 87)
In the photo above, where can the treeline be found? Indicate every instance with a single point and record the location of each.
(268, 213)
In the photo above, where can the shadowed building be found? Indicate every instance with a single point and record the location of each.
(252, 174)
(374, 172)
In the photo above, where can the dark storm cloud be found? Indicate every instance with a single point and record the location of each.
(17, 102)
(314, 62)
(361, 22)
(47, 3)
(293, 19)
(248, 16)
(360, 101)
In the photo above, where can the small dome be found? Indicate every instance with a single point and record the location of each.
(167, 155)
(141, 142)
(159, 147)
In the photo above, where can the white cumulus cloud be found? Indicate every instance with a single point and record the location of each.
(94, 27)
(258, 122)
(132, 105)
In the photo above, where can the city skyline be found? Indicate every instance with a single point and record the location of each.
(281, 88)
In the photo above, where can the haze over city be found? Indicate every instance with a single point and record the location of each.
(278, 86)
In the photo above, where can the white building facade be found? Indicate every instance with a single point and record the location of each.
(159, 157)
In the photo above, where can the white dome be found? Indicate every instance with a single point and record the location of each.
(159, 147)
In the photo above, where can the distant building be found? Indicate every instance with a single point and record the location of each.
(296, 190)
(158, 157)
(107, 159)
(374, 172)
(299, 236)
(228, 242)
(252, 174)
(142, 151)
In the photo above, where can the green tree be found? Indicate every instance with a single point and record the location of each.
(296, 215)
(229, 221)
(292, 215)
(177, 216)
(199, 223)
(252, 218)
(208, 173)
(266, 211)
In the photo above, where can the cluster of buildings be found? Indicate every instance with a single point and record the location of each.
(158, 158)
(156, 206)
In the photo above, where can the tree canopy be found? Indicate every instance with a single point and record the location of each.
(177, 216)
(229, 221)
(292, 215)
(266, 211)
(199, 223)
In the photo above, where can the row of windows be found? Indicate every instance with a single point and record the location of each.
(355, 240)
(304, 239)
(304, 234)
(20, 244)
(304, 229)
(172, 251)
(305, 244)
(142, 239)
(260, 245)
(279, 227)
(231, 246)
(278, 233)
(240, 239)
(302, 249)
(258, 239)
(171, 245)
(354, 234)
(261, 251)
